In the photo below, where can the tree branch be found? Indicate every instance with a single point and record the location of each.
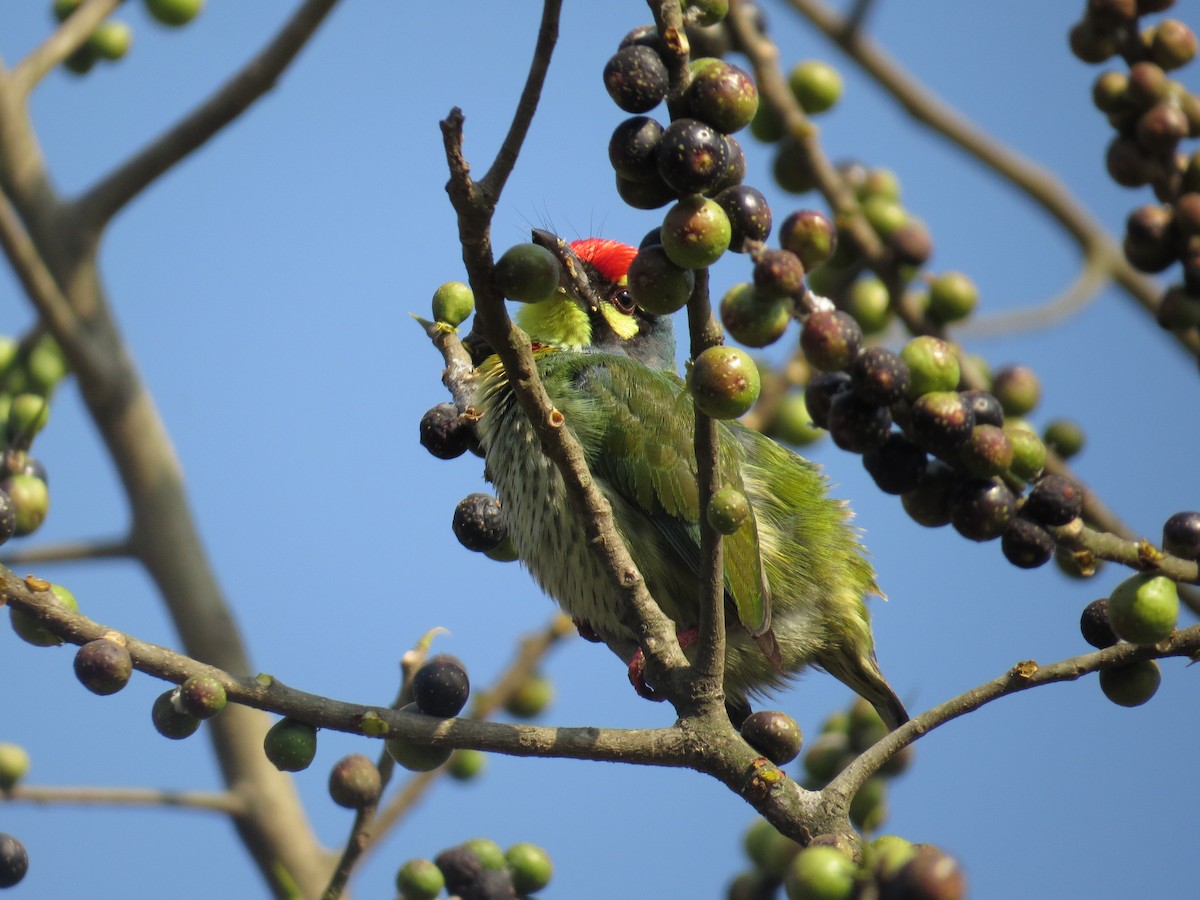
(66, 39)
(69, 551)
(226, 802)
(259, 75)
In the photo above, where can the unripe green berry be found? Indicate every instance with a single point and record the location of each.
(528, 273)
(14, 764)
(1018, 389)
(420, 879)
(202, 696)
(695, 232)
(1144, 608)
(727, 510)
(932, 366)
(489, 853)
(793, 423)
(33, 632)
(820, 873)
(657, 285)
(291, 745)
(531, 698)
(751, 319)
(1132, 684)
(817, 85)
(453, 303)
(1064, 437)
(111, 40)
(952, 297)
(174, 12)
(530, 867)
(466, 764)
(31, 501)
(169, 721)
(769, 850)
(724, 382)
(27, 415)
(1029, 453)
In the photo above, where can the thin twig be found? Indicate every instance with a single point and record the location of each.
(1078, 294)
(222, 801)
(258, 76)
(69, 551)
(65, 40)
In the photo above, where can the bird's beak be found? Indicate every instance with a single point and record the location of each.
(574, 282)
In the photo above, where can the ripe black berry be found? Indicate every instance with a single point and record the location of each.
(723, 95)
(810, 235)
(441, 686)
(941, 421)
(819, 394)
(1026, 544)
(691, 156)
(749, 215)
(14, 861)
(636, 78)
(479, 523)
(444, 433)
(778, 273)
(879, 376)
(856, 425)
(632, 148)
(491, 884)
(773, 734)
(982, 509)
(897, 465)
(8, 517)
(1054, 500)
(1181, 535)
(830, 339)
(460, 866)
(1095, 626)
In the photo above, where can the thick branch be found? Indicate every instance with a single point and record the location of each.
(257, 77)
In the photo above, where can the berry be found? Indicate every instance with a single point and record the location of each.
(868, 302)
(932, 366)
(929, 503)
(1160, 128)
(778, 274)
(735, 169)
(987, 452)
(1029, 453)
(707, 13)
(911, 243)
(880, 376)
(636, 78)
(724, 382)
(649, 194)
(769, 850)
(489, 853)
(416, 757)
(793, 423)
(31, 500)
(490, 885)
(528, 273)
(941, 421)
(773, 734)
(453, 303)
(354, 782)
(169, 721)
(466, 764)
(722, 95)
(691, 156)
(929, 875)
(810, 235)
(830, 339)
(897, 465)
(8, 518)
(819, 394)
(885, 215)
(1054, 500)
(111, 40)
(1064, 437)
(30, 630)
(1173, 44)
(952, 297)
(14, 764)
(1132, 684)
(290, 744)
(820, 873)
(1181, 535)
(1144, 608)
(749, 215)
(695, 232)
(1018, 389)
(792, 167)
(1026, 544)
(1091, 44)
(817, 85)
(531, 698)
(864, 727)
(656, 284)
(887, 853)
(14, 861)
(727, 510)
(857, 426)
(530, 867)
(752, 319)
(444, 433)
(479, 522)
(632, 148)
(440, 687)
(1094, 625)
(868, 808)
(420, 879)
(982, 509)
(202, 696)
(461, 867)
(766, 124)
(174, 12)
(103, 666)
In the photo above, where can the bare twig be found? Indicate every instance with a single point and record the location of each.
(1087, 284)
(258, 76)
(66, 39)
(69, 551)
(223, 801)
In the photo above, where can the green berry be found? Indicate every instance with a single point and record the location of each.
(30, 499)
(33, 632)
(727, 510)
(111, 40)
(868, 808)
(174, 12)
(416, 757)
(885, 215)
(754, 320)
(769, 850)
(1029, 453)
(531, 698)
(354, 782)
(169, 721)
(202, 696)
(820, 873)
(466, 764)
(724, 382)
(1064, 437)
(291, 745)
(453, 303)
(887, 853)
(1144, 608)
(528, 273)
(1132, 684)
(827, 755)
(793, 423)
(695, 232)
(489, 853)
(868, 302)
(530, 867)
(932, 366)
(864, 727)
(1018, 389)
(420, 879)
(14, 764)
(817, 85)
(27, 415)
(952, 297)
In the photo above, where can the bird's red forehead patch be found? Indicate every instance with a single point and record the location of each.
(611, 258)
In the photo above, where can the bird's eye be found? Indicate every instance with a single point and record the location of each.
(622, 300)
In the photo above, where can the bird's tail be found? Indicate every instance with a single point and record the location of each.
(861, 673)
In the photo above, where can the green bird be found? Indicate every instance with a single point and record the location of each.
(795, 573)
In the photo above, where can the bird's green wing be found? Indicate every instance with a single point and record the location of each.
(637, 426)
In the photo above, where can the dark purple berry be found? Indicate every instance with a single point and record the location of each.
(929, 503)
(1162, 127)
(441, 686)
(1018, 389)
(691, 156)
(1181, 535)
(911, 243)
(636, 78)
(1095, 626)
(1026, 544)
(819, 394)
(202, 696)
(633, 146)
(773, 734)
(460, 866)
(723, 95)
(982, 509)
(735, 169)
(1149, 238)
(103, 666)
(941, 421)
(492, 884)
(810, 235)
(1054, 500)
(354, 782)
(897, 465)
(929, 875)
(444, 433)
(643, 36)
(479, 523)
(777, 274)
(749, 215)
(879, 376)
(650, 194)
(987, 452)
(830, 339)
(14, 861)
(858, 426)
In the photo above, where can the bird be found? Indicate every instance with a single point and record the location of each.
(796, 573)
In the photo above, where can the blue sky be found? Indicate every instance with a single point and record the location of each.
(265, 287)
